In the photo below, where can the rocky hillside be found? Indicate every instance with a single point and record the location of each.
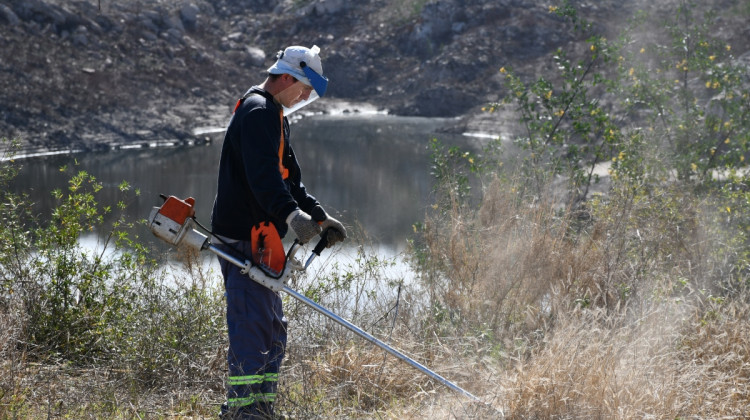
(90, 74)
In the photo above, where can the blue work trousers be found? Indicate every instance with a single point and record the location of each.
(257, 339)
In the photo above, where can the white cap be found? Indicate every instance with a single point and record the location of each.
(288, 61)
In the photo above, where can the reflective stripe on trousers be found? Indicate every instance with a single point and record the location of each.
(250, 400)
(252, 379)
(256, 328)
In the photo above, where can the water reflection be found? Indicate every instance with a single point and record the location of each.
(372, 171)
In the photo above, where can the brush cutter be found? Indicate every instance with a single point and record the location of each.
(174, 222)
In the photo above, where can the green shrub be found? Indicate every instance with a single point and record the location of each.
(664, 114)
(649, 117)
(108, 305)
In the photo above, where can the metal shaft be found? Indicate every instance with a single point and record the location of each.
(351, 327)
(355, 329)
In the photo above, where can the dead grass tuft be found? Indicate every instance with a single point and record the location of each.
(539, 313)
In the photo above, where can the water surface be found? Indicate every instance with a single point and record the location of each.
(370, 171)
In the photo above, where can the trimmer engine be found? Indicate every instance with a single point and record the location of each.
(173, 222)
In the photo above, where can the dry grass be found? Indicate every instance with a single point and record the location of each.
(619, 322)
(662, 365)
(538, 313)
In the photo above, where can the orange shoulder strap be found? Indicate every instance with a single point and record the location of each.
(284, 171)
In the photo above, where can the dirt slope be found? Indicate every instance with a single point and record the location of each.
(91, 74)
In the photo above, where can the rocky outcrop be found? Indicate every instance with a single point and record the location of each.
(86, 74)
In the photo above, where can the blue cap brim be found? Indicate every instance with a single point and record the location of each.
(318, 82)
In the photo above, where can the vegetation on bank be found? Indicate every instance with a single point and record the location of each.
(601, 273)
(628, 303)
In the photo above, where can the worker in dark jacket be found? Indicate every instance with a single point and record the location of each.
(260, 185)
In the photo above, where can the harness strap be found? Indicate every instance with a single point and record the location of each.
(282, 169)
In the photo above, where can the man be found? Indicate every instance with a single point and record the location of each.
(259, 187)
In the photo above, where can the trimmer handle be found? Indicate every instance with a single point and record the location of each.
(319, 247)
(322, 243)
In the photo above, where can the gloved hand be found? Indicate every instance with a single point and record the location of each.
(303, 225)
(337, 231)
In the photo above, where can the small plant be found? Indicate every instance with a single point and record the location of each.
(567, 128)
(71, 307)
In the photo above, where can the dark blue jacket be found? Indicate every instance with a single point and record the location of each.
(250, 187)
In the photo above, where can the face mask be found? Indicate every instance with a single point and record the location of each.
(313, 96)
(319, 84)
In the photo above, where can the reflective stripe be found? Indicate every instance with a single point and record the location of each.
(272, 377)
(252, 399)
(245, 380)
(252, 379)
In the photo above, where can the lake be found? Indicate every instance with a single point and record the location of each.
(371, 171)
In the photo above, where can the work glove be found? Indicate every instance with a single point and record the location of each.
(337, 231)
(303, 225)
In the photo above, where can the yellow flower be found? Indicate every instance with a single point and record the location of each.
(713, 151)
(560, 113)
(553, 9)
(694, 167)
(502, 70)
(715, 85)
(621, 156)
(726, 141)
(548, 94)
(708, 84)
(643, 50)
(631, 71)
(593, 47)
(742, 158)
(729, 210)
(729, 47)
